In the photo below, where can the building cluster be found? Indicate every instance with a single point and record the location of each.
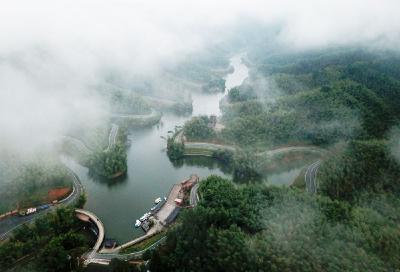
(184, 192)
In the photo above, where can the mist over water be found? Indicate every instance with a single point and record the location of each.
(150, 172)
(60, 59)
(240, 74)
(53, 53)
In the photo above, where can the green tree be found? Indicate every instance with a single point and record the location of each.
(199, 128)
(117, 265)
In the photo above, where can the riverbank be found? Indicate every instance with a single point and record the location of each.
(160, 219)
(277, 166)
(150, 172)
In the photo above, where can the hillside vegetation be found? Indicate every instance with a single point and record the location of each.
(343, 99)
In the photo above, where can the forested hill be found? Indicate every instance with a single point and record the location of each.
(318, 98)
(345, 100)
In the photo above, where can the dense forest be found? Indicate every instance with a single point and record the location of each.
(107, 163)
(345, 100)
(259, 228)
(315, 98)
(54, 242)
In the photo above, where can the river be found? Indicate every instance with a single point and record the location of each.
(150, 172)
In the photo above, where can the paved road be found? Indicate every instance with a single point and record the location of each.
(194, 198)
(83, 147)
(78, 143)
(112, 137)
(105, 258)
(280, 150)
(9, 224)
(153, 113)
(100, 236)
(208, 146)
(179, 138)
(310, 177)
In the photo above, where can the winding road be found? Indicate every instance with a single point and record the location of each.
(100, 237)
(112, 137)
(206, 149)
(310, 177)
(79, 144)
(10, 223)
(194, 198)
(211, 147)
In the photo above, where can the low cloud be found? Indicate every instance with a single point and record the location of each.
(53, 52)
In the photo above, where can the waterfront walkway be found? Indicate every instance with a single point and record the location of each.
(161, 219)
(95, 220)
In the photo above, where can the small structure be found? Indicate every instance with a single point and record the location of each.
(157, 207)
(178, 201)
(172, 216)
(110, 243)
(145, 225)
(188, 184)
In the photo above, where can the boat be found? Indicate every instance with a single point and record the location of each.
(144, 217)
(138, 223)
(158, 200)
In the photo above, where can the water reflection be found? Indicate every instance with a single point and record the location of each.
(109, 182)
(150, 173)
(205, 162)
(285, 171)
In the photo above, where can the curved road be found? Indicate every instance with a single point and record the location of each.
(179, 138)
(310, 177)
(100, 237)
(105, 258)
(280, 150)
(82, 147)
(194, 198)
(10, 223)
(112, 137)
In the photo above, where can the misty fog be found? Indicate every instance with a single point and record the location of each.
(257, 135)
(54, 54)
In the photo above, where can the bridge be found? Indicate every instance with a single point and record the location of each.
(85, 216)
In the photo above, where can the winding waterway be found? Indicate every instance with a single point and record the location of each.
(150, 172)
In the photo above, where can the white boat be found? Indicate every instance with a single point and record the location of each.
(158, 200)
(138, 223)
(144, 217)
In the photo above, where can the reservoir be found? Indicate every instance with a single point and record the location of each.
(150, 172)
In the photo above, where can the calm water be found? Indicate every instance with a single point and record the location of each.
(150, 173)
